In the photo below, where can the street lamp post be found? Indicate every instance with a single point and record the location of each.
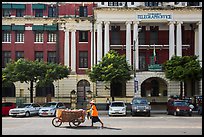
(134, 63)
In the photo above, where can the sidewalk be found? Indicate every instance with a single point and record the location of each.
(105, 112)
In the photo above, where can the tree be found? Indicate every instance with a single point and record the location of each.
(113, 68)
(38, 72)
(183, 69)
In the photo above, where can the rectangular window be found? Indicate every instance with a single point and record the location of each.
(112, 3)
(38, 12)
(6, 58)
(83, 59)
(132, 3)
(6, 36)
(38, 36)
(83, 11)
(192, 3)
(83, 36)
(154, 35)
(142, 62)
(19, 36)
(19, 12)
(141, 36)
(52, 12)
(52, 57)
(6, 12)
(115, 35)
(52, 37)
(151, 4)
(19, 54)
(102, 3)
(39, 55)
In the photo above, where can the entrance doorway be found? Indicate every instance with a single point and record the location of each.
(82, 87)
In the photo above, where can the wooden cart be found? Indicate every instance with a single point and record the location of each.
(75, 117)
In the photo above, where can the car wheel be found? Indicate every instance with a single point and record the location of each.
(27, 114)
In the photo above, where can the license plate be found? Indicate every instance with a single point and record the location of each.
(44, 113)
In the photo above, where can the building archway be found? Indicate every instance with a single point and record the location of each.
(83, 86)
(155, 89)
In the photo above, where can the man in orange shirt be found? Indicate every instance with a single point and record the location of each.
(94, 114)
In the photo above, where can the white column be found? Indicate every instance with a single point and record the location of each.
(99, 41)
(196, 52)
(92, 48)
(136, 39)
(128, 42)
(178, 39)
(106, 43)
(200, 42)
(171, 40)
(73, 50)
(66, 48)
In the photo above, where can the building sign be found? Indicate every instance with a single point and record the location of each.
(135, 85)
(155, 67)
(154, 16)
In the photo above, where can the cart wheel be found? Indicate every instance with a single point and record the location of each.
(76, 122)
(56, 122)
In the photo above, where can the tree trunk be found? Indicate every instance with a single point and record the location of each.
(181, 89)
(31, 91)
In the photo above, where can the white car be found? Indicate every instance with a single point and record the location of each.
(49, 109)
(26, 109)
(117, 108)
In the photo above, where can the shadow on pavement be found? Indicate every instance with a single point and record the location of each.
(89, 127)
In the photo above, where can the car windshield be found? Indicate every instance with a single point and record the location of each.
(50, 105)
(117, 104)
(24, 106)
(139, 101)
(180, 103)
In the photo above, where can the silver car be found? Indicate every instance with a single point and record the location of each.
(49, 109)
(140, 105)
(26, 109)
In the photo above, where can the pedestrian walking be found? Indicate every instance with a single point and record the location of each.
(107, 103)
(94, 114)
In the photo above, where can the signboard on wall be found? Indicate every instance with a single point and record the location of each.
(154, 16)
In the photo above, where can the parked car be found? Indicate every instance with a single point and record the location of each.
(49, 109)
(117, 108)
(178, 107)
(140, 105)
(6, 106)
(26, 109)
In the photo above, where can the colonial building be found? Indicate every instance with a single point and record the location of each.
(79, 34)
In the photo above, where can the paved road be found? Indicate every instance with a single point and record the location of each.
(157, 124)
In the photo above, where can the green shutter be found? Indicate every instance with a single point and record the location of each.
(38, 6)
(6, 27)
(18, 6)
(6, 6)
(18, 27)
(51, 27)
(38, 27)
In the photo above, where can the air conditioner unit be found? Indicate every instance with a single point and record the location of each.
(121, 4)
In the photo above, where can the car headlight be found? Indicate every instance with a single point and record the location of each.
(123, 109)
(190, 109)
(177, 109)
